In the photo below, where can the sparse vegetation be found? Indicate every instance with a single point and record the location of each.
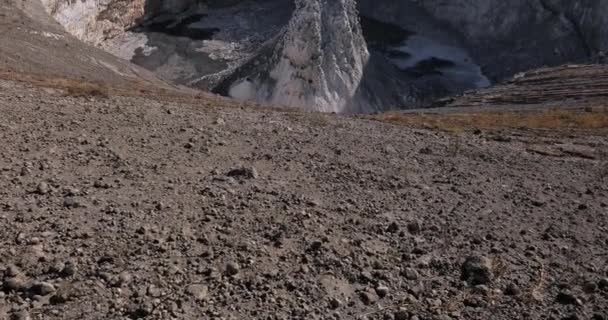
(87, 89)
(319, 119)
(589, 118)
(455, 142)
(75, 87)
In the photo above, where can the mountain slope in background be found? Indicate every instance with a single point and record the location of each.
(424, 50)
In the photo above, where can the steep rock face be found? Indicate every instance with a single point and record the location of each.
(525, 34)
(589, 18)
(324, 60)
(506, 37)
(327, 55)
(317, 63)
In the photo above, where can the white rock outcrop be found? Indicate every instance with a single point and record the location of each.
(317, 64)
(95, 21)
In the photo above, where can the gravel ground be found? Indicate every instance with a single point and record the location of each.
(126, 208)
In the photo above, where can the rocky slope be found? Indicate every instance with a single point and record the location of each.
(129, 208)
(140, 203)
(32, 42)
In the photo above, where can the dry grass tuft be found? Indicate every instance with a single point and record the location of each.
(320, 120)
(87, 90)
(455, 143)
(590, 118)
(535, 292)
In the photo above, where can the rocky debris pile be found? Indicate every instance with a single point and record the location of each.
(106, 215)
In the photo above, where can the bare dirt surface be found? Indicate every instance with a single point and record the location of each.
(128, 208)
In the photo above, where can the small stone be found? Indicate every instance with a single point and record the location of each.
(14, 284)
(153, 291)
(72, 192)
(368, 298)
(366, 277)
(43, 288)
(43, 188)
(198, 291)
(477, 270)
(414, 227)
(57, 267)
(124, 278)
(219, 121)
(402, 315)
(411, 274)
(100, 184)
(70, 202)
(61, 296)
(106, 276)
(21, 238)
(335, 303)
(566, 298)
(603, 284)
(481, 289)
(393, 227)
(537, 202)
(314, 202)
(25, 171)
(390, 149)
(589, 287)
(21, 315)
(68, 270)
(512, 290)
(316, 245)
(382, 291)
(426, 150)
(474, 302)
(417, 290)
(232, 268)
(243, 172)
(189, 145)
(12, 271)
